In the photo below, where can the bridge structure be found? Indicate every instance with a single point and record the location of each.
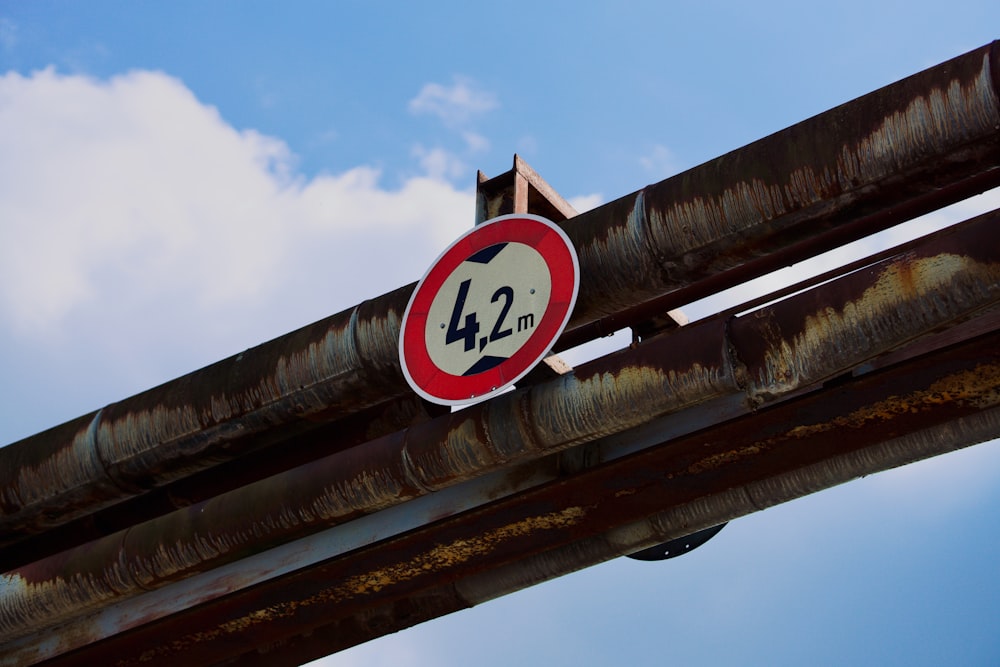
(298, 498)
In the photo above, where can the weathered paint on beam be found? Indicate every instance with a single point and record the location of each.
(800, 191)
(487, 583)
(949, 400)
(923, 142)
(767, 355)
(198, 420)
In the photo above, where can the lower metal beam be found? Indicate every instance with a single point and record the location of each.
(923, 407)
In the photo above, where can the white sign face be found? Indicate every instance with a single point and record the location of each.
(489, 309)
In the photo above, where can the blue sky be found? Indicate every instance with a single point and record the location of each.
(180, 181)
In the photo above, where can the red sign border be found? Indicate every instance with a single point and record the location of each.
(551, 242)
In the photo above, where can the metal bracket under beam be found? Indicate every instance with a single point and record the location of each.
(520, 190)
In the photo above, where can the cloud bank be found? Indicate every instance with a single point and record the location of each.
(133, 186)
(136, 223)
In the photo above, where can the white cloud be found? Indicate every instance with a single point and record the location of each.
(130, 209)
(659, 162)
(584, 203)
(129, 177)
(440, 163)
(455, 104)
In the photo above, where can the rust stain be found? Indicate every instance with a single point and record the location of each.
(52, 598)
(444, 556)
(563, 412)
(632, 252)
(70, 472)
(979, 388)
(945, 116)
(333, 355)
(715, 209)
(700, 221)
(438, 558)
(928, 124)
(575, 410)
(608, 285)
(369, 489)
(463, 452)
(724, 458)
(909, 297)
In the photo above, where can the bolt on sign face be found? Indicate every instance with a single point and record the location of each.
(489, 309)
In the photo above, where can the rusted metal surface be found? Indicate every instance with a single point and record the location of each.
(520, 190)
(883, 419)
(286, 558)
(545, 449)
(202, 418)
(924, 142)
(266, 457)
(179, 429)
(838, 176)
(766, 355)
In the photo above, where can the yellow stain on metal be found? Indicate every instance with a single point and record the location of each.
(978, 387)
(909, 295)
(438, 558)
(580, 410)
(444, 556)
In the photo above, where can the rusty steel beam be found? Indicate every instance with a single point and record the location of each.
(520, 190)
(767, 355)
(926, 141)
(828, 180)
(279, 389)
(263, 461)
(947, 400)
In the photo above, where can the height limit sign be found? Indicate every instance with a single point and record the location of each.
(489, 309)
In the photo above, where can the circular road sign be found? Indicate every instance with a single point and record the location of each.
(489, 309)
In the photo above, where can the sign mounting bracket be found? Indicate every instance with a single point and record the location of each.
(522, 190)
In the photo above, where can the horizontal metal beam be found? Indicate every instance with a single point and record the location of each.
(946, 400)
(767, 355)
(923, 142)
